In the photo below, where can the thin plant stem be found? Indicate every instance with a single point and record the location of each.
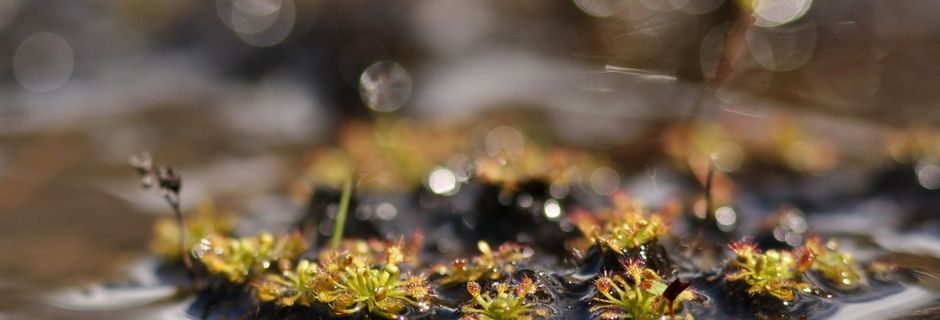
(341, 215)
(699, 236)
(708, 188)
(181, 225)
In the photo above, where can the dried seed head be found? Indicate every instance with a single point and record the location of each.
(169, 180)
(143, 164)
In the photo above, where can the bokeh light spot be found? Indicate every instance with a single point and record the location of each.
(43, 62)
(385, 86)
(260, 23)
(443, 181)
(552, 209)
(503, 140)
(726, 218)
(386, 211)
(772, 13)
(928, 174)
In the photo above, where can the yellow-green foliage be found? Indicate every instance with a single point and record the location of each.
(392, 155)
(350, 280)
(777, 273)
(488, 265)
(624, 227)
(504, 303)
(290, 287)
(635, 294)
(240, 259)
(203, 223)
(836, 266)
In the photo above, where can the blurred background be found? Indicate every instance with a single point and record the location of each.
(234, 93)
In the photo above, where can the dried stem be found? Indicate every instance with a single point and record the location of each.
(173, 200)
(168, 183)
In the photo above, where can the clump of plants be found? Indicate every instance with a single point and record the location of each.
(397, 155)
(779, 273)
(349, 283)
(837, 267)
(561, 166)
(776, 273)
(638, 293)
(290, 287)
(784, 141)
(504, 301)
(625, 227)
(488, 265)
(239, 260)
(627, 273)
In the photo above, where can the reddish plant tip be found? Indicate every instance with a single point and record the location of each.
(619, 197)
(583, 218)
(631, 263)
(804, 258)
(473, 288)
(603, 284)
(525, 287)
(743, 246)
(647, 279)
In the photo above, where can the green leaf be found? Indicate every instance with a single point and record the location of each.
(658, 288)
